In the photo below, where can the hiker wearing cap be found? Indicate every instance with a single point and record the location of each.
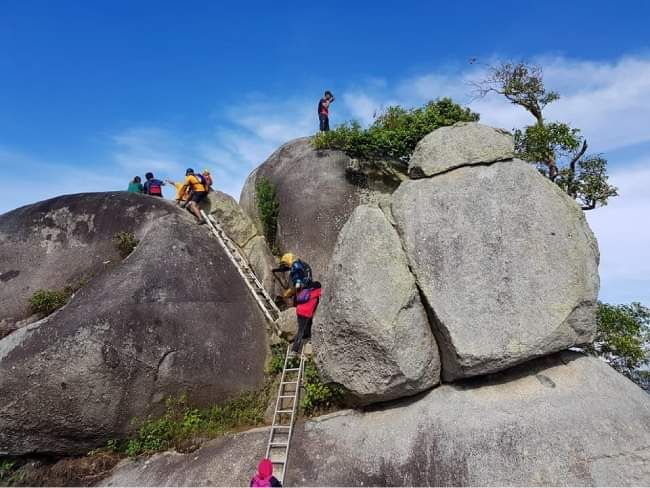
(198, 191)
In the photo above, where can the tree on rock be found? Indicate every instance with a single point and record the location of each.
(395, 132)
(557, 148)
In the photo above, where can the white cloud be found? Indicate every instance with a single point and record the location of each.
(624, 236)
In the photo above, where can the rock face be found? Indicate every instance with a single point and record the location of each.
(373, 336)
(458, 145)
(173, 317)
(315, 199)
(241, 229)
(565, 420)
(506, 261)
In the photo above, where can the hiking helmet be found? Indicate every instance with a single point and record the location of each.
(287, 259)
(189, 171)
(206, 171)
(148, 175)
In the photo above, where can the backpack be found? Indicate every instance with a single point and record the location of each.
(301, 271)
(154, 188)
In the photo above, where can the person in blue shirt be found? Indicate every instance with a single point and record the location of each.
(153, 186)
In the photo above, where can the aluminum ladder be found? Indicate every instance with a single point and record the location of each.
(286, 407)
(262, 298)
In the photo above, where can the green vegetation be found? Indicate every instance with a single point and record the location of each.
(268, 207)
(181, 423)
(276, 363)
(395, 133)
(558, 150)
(125, 242)
(318, 396)
(623, 333)
(44, 302)
(8, 472)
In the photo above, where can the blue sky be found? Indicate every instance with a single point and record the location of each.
(92, 93)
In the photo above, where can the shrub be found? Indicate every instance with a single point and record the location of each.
(268, 207)
(181, 422)
(278, 352)
(7, 471)
(125, 242)
(395, 133)
(44, 302)
(318, 396)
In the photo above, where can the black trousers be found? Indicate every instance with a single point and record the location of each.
(304, 333)
(324, 122)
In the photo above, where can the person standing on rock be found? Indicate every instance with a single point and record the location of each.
(153, 186)
(324, 111)
(264, 476)
(198, 191)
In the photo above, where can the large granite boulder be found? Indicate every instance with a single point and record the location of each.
(505, 260)
(371, 334)
(173, 317)
(458, 145)
(315, 199)
(564, 420)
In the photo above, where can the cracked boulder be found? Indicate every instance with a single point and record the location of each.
(506, 262)
(461, 144)
(315, 198)
(173, 317)
(371, 334)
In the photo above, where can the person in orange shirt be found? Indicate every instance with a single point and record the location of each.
(194, 184)
(181, 198)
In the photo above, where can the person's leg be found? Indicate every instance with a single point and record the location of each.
(321, 119)
(195, 210)
(307, 334)
(297, 342)
(327, 124)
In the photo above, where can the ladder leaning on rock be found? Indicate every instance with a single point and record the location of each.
(263, 299)
(286, 407)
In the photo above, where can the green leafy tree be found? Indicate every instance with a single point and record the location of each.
(268, 206)
(556, 148)
(395, 133)
(623, 336)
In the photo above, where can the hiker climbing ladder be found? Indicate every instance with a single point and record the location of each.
(286, 406)
(262, 298)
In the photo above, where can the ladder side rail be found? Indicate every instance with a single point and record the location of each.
(277, 403)
(253, 275)
(293, 413)
(239, 270)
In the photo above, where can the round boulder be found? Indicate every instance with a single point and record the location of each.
(172, 318)
(505, 260)
(315, 199)
(458, 145)
(372, 334)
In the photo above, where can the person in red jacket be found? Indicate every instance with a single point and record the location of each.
(306, 304)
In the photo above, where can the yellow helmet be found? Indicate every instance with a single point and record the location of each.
(287, 259)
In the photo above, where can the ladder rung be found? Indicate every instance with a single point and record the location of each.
(278, 444)
(284, 411)
(280, 427)
(287, 396)
(288, 382)
(292, 369)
